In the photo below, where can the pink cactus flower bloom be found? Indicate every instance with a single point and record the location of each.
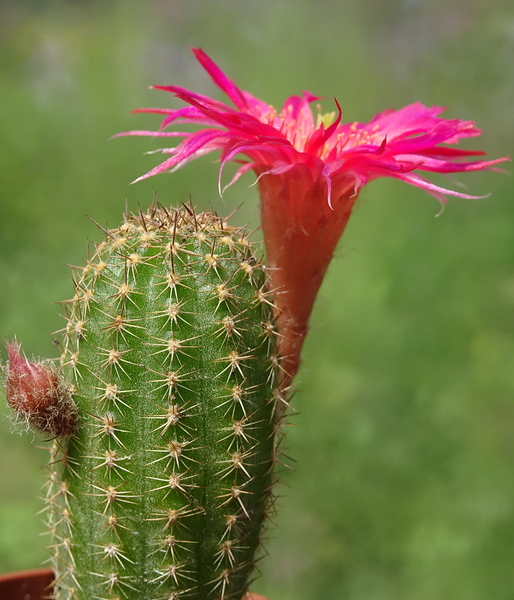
(309, 171)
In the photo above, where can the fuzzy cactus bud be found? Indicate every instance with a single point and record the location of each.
(37, 394)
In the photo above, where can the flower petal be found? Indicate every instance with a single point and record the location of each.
(221, 80)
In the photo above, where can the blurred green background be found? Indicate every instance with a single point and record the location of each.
(403, 487)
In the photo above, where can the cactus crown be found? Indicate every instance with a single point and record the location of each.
(169, 351)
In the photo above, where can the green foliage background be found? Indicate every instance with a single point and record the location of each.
(404, 439)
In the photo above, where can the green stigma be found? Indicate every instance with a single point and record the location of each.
(325, 119)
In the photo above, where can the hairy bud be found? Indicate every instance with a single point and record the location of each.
(36, 393)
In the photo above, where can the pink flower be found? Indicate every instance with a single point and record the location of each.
(310, 170)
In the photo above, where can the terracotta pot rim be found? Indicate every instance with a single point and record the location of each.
(30, 584)
(26, 574)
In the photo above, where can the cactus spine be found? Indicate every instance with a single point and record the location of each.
(169, 349)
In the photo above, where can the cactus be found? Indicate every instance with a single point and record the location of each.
(169, 355)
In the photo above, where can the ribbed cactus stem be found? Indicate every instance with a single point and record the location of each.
(169, 349)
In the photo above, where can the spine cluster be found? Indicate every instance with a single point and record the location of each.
(169, 349)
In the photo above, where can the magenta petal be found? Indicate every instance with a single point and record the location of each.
(232, 120)
(413, 117)
(152, 133)
(188, 114)
(179, 91)
(437, 191)
(297, 108)
(189, 147)
(241, 171)
(221, 80)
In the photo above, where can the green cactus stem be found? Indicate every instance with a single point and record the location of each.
(169, 350)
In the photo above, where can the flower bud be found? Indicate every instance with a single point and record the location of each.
(37, 395)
